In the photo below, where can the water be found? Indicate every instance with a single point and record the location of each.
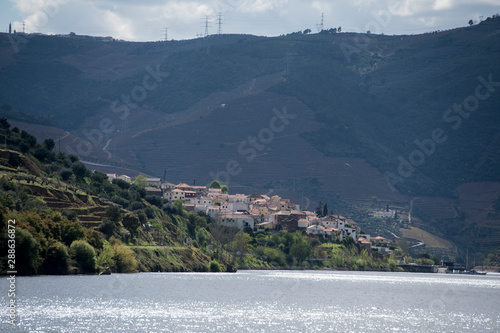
(256, 301)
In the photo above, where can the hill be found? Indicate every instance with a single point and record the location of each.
(331, 116)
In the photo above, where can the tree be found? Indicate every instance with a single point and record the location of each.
(224, 189)
(4, 124)
(471, 22)
(339, 29)
(113, 213)
(300, 250)
(141, 181)
(57, 259)
(27, 249)
(241, 243)
(325, 210)
(131, 222)
(84, 255)
(124, 259)
(105, 258)
(79, 170)
(215, 184)
(319, 209)
(307, 31)
(49, 144)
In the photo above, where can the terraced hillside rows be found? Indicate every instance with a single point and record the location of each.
(89, 209)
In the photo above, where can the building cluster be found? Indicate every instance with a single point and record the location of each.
(258, 212)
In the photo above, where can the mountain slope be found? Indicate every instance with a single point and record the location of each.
(360, 108)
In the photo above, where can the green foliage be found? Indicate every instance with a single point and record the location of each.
(301, 249)
(241, 244)
(215, 266)
(131, 222)
(140, 181)
(84, 256)
(27, 250)
(57, 260)
(224, 189)
(49, 144)
(124, 259)
(215, 184)
(106, 257)
(113, 213)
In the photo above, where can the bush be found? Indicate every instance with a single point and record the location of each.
(57, 260)
(27, 249)
(124, 259)
(215, 266)
(108, 227)
(84, 255)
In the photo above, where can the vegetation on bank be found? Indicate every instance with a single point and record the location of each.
(71, 220)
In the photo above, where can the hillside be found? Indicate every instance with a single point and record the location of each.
(357, 104)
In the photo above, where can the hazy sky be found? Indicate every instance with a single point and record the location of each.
(146, 20)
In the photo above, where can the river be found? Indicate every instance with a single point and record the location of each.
(255, 301)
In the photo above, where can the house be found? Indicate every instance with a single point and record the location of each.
(350, 232)
(111, 176)
(154, 182)
(153, 191)
(238, 202)
(303, 223)
(239, 221)
(380, 241)
(365, 243)
(183, 187)
(287, 220)
(175, 195)
(203, 201)
(315, 230)
(189, 197)
(167, 186)
(125, 178)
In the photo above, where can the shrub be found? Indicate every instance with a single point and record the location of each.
(215, 266)
(84, 255)
(57, 260)
(124, 259)
(27, 249)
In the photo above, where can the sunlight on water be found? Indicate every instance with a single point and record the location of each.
(249, 301)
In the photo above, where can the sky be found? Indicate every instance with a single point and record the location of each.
(153, 20)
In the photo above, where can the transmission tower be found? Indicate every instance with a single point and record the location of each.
(206, 25)
(23, 27)
(166, 34)
(320, 26)
(219, 22)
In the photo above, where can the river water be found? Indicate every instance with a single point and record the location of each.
(255, 301)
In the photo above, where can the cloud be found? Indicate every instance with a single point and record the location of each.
(259, 6)
(186, 11)
(145, 20)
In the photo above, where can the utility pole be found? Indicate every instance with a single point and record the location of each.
(23, 27)
(219, 31)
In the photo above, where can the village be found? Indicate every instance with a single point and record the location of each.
(257, 212)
